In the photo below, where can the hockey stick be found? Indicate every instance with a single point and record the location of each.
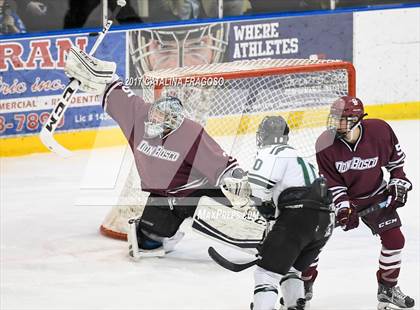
(227, 264)
(237, 267)
(372, 209)
(368, 210)
(47, 131)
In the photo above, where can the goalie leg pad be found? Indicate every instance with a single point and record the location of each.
(170, 243)
(227, 225)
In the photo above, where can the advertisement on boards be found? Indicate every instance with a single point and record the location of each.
(32, 79)
(309, 36)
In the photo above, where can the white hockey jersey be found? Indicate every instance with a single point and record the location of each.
(276, 168)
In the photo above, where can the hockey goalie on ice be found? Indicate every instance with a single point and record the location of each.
(178, 162)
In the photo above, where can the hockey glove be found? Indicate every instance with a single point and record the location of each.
(93, 74)
(397, 189)
(347, 217)
(236, 183)
(267, 209)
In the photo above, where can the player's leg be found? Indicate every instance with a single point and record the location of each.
(279, 251)
(387, 225)
(156, 231)
(308, 261)
(309, 276)
(309, 256)
(265, 289)
(389, 294)
(292, 290)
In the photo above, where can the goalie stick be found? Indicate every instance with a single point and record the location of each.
(57, 114)
(237, 267)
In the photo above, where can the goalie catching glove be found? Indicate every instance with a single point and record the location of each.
(236, 183)
(93, 74)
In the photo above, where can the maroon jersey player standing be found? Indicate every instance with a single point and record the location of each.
(351, 154)
(178, 162)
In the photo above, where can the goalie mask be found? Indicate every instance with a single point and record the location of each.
(153, 49)
(165, 115)
(345, 114)
(272, 130)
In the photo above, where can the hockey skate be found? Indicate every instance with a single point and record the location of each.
(151, 245)
(134, 250)
(391, 298)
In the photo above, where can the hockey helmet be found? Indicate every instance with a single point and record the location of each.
(165, 115)
(345, 114)
(164, 48)
(272, 130)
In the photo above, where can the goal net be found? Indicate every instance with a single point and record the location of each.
(231, 99)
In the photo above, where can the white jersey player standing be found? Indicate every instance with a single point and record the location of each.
(287, 192)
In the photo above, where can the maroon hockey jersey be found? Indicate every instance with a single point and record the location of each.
(354, 172)
(177, 165)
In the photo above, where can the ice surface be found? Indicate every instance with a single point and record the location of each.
(53, 257)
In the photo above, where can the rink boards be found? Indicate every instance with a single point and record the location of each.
(228, 126)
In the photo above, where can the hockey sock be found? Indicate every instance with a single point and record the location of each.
(265, 290)
(390, 257)
(292, 288)
(389, 267)
(310, 274)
